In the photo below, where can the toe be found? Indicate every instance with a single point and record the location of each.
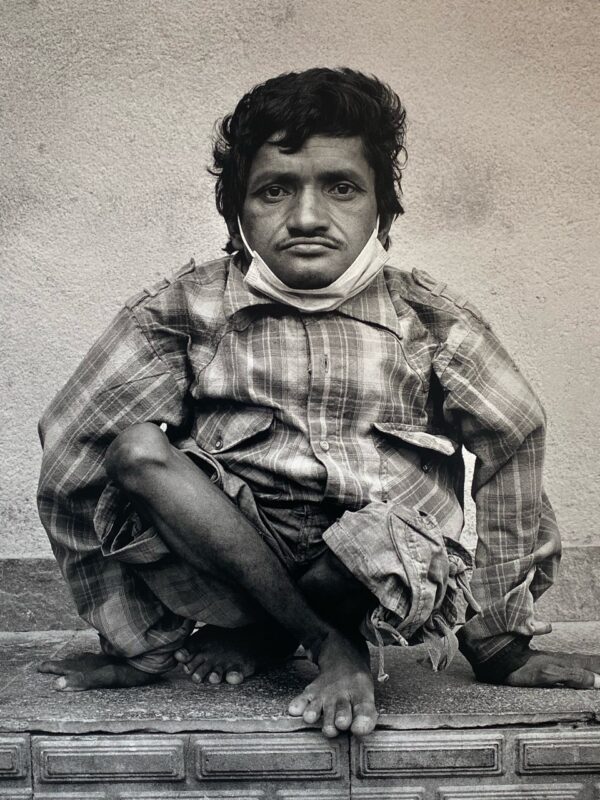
(234, 675)
(198, 666)
(312, 712)
(52, 667)
(329, 728)
(215, 675)
(201, 672)
(365, 719)
(298, 704)
(343, 715)
(194, 662)
(75, 682)
(182, 655)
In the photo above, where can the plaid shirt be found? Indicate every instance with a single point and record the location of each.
(371, 402)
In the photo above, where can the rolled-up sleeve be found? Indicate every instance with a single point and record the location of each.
(122, 381)
(501, 421)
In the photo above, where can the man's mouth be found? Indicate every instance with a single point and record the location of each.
(309, 246)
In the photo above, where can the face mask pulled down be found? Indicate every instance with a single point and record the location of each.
(364, 269)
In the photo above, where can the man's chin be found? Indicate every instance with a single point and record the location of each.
(308, 274)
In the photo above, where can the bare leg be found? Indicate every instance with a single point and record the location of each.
(214, 654)
(171, 490)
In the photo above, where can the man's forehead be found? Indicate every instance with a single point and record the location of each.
(319, 152)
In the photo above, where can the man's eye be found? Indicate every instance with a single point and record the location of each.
(344, 189)
(273, 192)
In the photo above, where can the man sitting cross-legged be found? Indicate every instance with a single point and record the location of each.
(270, 443)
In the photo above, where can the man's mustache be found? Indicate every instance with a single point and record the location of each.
(325, 241)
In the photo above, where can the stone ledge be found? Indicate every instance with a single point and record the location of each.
(441, 736)
(34, 597)
(413, 698)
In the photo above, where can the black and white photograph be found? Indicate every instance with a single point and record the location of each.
(300, 355)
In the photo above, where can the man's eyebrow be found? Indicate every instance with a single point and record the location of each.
(328, 176)
(342, 174)
(272, 176)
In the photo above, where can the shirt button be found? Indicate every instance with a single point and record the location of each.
(218, 444)
(324, 445)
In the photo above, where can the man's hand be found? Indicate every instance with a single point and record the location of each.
(95, 671)
(547, 669)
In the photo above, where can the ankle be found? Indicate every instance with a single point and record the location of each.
(313, 644)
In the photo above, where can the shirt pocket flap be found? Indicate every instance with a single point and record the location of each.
(224, 429)
(430, 441)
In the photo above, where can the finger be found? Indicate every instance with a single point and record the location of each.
(572, 677)
(365, 718)
(584, 660)
(548, 548)
(534, 627)
(554, 675)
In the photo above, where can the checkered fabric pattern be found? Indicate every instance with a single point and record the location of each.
(371, 402)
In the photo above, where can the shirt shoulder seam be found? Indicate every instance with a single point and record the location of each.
(152, 346)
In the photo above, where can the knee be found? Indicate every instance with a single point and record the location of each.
(137, 449)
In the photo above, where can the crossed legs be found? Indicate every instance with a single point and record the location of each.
(201, 525)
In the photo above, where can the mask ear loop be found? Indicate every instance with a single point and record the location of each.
(244, 240)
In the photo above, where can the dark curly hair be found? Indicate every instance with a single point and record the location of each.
(333, 102)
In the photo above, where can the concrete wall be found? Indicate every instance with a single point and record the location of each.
(107, 111)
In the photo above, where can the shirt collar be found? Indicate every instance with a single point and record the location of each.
(238, 296)
(373, 305)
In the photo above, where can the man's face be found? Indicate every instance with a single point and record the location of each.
(310, 213)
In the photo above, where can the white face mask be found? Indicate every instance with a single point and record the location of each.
(364, 269)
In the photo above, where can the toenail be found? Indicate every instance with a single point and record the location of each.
(196, 678)
(61, 683)
(214, 677)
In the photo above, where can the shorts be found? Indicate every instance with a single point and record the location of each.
(419, 578)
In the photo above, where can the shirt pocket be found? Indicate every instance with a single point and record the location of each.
(233, 427)
(438, 443)
(407, 452)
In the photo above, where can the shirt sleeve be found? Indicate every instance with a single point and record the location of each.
(500, 420)
(122, 381)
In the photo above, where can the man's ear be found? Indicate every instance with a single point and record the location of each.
(234, 235)
(385, 223)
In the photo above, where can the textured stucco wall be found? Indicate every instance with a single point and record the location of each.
(107, 110)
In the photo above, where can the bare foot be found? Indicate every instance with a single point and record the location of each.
(233, 654)
(343, 694)
(95, 671)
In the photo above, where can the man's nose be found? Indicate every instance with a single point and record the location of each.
(308, 212)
